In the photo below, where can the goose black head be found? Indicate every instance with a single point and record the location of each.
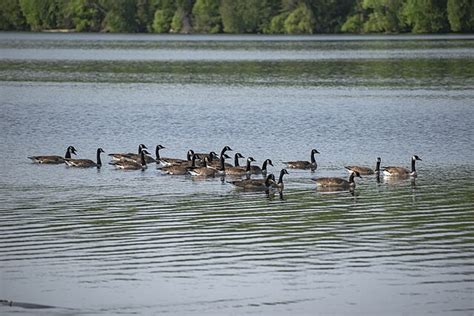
(226, 148)
(100, 150)
(314, 151)
(158, 147)
(357, 174)
(269, 161)
(284, 171)
(239, 155)
(145, 152)
(415, 157)
(73, 150)
(142, 146)
(213, 155)
(251, 159)
(225, 156)
(379, 159)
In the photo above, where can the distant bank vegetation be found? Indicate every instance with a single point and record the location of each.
(239, 16)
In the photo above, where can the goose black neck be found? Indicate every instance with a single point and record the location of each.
(313, 160)
(351, 177)
(157, 153)
(377, 167)
(280, 179)
(236, 160)
(264, 165)
(223, 151)
(222, 159)
(193, 161)
(248, 165)
(99, 162)
(140, 149)
(413, 165)
(68, 153)
(142, 157)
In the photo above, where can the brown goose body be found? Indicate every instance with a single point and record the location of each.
(203, 171)
(53, 159)
(395, 171)
(166, 161)
(85, 163)
(255, 184)
(301, 164)
(131, 164)
(365, 170)
(128, 156)
(182, 168)
(334, 182)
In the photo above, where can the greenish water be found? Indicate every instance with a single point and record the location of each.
(107, 242)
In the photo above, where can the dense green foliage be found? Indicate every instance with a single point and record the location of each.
(242, 16)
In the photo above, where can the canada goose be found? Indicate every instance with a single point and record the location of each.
(85, 163)
(240, 171)
(263, 170)
(131, 164)
(337, 183)
(165, 162)
(365, 170)
(255, 184)
(401, 171)
(54, 159)
(180, 169)
(203, 171)
(132, 157)
(120, 156)
(300, 164)
(279, 185)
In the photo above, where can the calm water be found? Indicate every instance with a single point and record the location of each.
(108, 242)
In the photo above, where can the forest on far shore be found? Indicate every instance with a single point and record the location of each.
(239, 16)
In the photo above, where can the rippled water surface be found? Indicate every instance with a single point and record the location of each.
(107, 242)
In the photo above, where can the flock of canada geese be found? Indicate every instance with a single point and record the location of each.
(212, 165)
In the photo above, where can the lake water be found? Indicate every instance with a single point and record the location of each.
(108, 242)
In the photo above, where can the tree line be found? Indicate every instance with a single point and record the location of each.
(239, 16)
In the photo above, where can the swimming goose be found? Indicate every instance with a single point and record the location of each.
(182, 168)
(132, 164)
(365, 170)
(165, 162)
(401, 171)
(85, 163)
(300, 164)
(131, 156)
(203, 171)
(120, 156)
(240, 171)
(255, 184)
(263, 170)
(337, 183)
(54, 159)
(279, 185)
